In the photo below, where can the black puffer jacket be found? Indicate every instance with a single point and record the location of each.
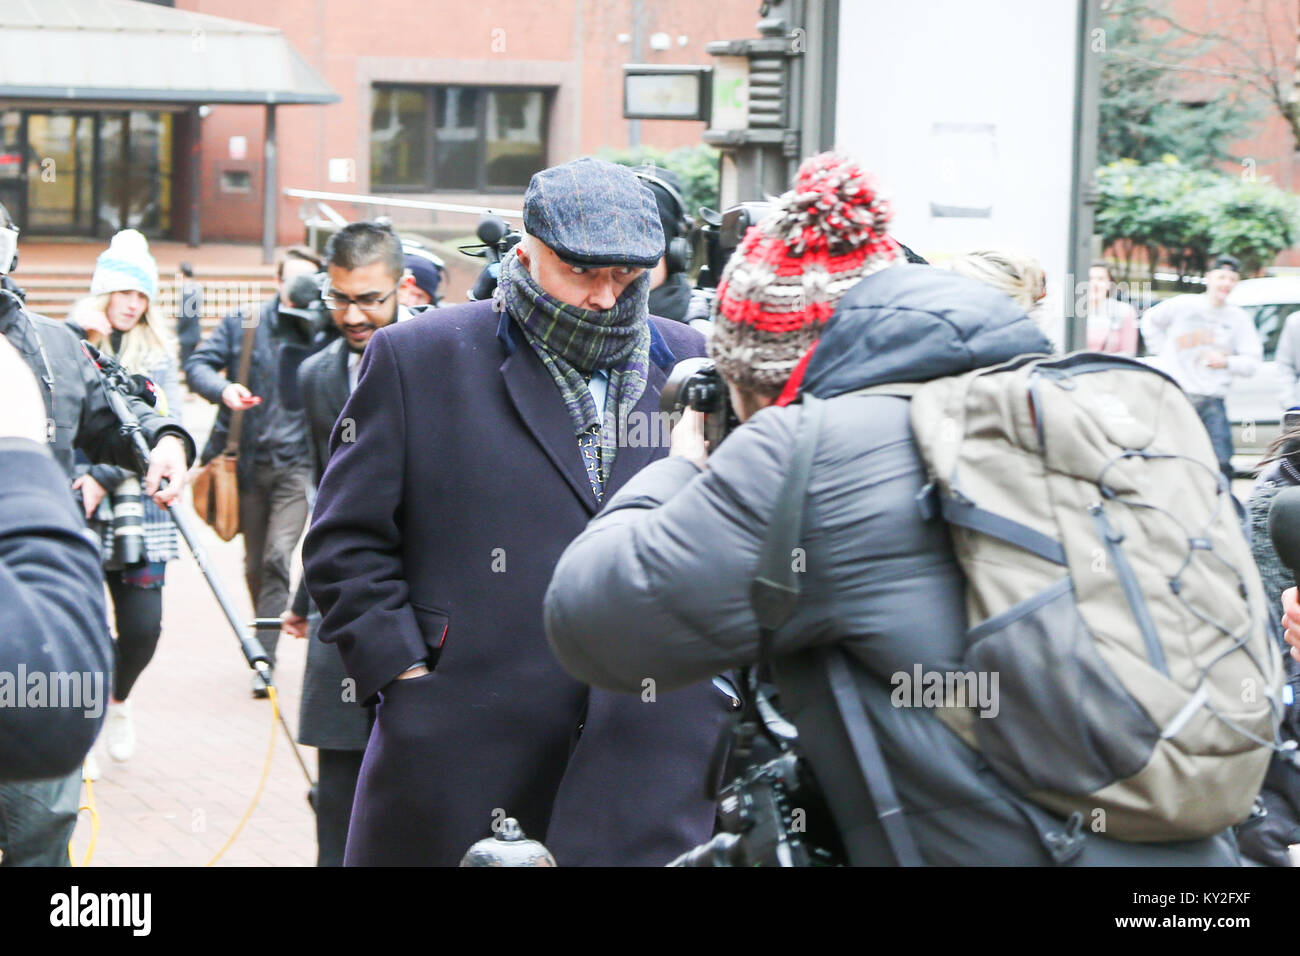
(82, 417)
(1266, 841)
(278, 349)
(658, 586)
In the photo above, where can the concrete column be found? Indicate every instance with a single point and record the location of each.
(195, 175)
(270, 188)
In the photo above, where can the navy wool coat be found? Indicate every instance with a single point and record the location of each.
(453, 486)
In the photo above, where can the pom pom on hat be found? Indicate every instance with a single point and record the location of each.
(832, 206)
(790, 271)
(125, 266)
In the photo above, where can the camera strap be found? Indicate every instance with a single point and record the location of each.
(775, 594)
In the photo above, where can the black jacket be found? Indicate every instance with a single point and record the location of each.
(51, 586)
(659, 583)
(79, 407)
(188, 329)
(672, 298)
(1266, 841)
(214, 365)
(51, 617)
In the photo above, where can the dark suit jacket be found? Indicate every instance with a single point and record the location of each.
(323, 387)
(436, 530)
(326, 717)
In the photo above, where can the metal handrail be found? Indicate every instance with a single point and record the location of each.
(364, 200)
(330, 214)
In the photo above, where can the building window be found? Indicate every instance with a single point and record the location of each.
(466, 138)
(236, 181)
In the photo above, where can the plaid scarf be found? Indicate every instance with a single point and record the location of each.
(572, 343)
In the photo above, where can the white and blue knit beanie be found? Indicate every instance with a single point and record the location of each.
(125, 266)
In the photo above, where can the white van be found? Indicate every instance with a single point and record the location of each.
(1254, 404)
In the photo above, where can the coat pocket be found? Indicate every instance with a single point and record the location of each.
(1063, 721)
(434, 626)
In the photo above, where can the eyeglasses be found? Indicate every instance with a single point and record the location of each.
(337, 302)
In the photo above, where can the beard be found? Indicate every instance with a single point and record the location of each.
(373, 325)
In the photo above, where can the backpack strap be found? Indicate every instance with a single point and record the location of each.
(775, 593)
(889, 809)
(775, 590)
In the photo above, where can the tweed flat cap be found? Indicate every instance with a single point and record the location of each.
(594, 213)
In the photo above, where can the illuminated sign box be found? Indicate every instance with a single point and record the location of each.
(666, 92)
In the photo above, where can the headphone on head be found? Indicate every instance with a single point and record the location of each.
(678, 251)
(410, 248)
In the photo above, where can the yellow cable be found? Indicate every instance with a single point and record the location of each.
(261, 784)
(266, 772)
(94, 822)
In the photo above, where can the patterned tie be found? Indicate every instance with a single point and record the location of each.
(589, 446)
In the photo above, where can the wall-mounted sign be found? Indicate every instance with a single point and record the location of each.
(666, 92)
(343, 170)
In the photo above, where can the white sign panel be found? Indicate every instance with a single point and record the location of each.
(965, 113)
(730, 93)
(342, 171)
(239, 147)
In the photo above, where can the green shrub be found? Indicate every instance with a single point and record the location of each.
(697, 166)
(1183, 216)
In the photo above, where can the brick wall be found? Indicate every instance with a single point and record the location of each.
(571, 45)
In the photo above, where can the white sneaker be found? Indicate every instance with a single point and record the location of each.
(120, 732)
(90, 767)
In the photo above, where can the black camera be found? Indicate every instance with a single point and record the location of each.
(721, 234)
(495, 240)
(771, 815)
(127, 522)
(306, 306)
(122, 510)
(695, 384)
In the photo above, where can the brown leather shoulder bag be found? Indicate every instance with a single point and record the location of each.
(216, 487)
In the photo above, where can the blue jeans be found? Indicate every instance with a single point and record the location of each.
(1214, 414)
(37, 819)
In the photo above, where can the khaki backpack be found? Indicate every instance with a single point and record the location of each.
(1110, 588)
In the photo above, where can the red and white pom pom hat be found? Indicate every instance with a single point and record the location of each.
(790, 271)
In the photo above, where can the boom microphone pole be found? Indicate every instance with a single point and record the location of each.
(117, 383)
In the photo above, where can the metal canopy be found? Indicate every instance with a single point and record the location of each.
(125, 51)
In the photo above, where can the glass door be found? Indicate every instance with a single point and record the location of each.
(13, 185)
(135, 172)
(59, 164)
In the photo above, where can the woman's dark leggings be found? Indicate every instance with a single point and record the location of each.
(138, 612)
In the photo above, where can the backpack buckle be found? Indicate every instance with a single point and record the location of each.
(927, 501)
(1258, 814)
(1065, 846)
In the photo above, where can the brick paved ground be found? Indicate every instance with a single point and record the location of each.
(202, 738)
